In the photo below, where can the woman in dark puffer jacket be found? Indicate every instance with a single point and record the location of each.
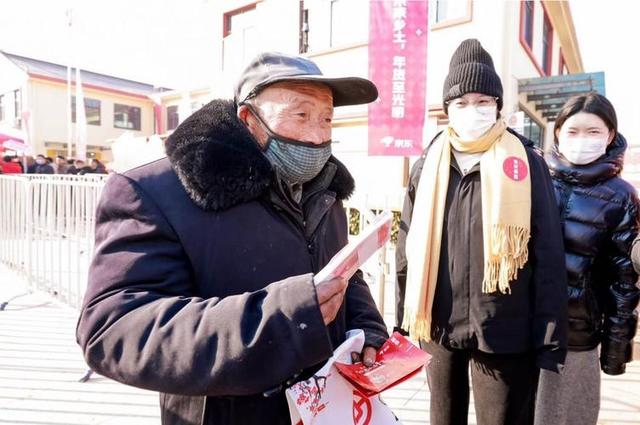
(599, 214)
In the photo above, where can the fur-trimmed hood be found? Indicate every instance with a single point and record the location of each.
(220, 163)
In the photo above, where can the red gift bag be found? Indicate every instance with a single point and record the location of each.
(396, 361)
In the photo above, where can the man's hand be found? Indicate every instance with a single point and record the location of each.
(368, 356)
(330, 296)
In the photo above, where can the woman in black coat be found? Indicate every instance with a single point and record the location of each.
(599, 212)
(495, 339)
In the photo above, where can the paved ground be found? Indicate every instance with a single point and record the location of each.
(40, 365)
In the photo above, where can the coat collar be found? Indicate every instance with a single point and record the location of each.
(220, 164)
(607, 166)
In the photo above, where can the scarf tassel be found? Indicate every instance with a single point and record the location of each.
(512, 242)
(417, 324)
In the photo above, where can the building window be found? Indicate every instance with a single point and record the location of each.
(349, 22)
(444, 13)
(172, 117)
(333, 24)
(239, 19)
(536, 35)
(547, 45)
(533, 131)
(91, 110)
(125, 116)
(526, 27)
(239, 38)
(17, 103)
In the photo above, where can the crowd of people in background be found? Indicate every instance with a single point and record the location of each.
(12, 164)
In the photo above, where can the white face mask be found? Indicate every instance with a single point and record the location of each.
(581, 150)
(471, 122)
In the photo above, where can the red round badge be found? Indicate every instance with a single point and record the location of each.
(515, 168)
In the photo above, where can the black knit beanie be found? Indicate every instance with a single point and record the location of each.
(471, 71)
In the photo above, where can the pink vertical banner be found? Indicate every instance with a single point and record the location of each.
(398, 67)
(157, 112)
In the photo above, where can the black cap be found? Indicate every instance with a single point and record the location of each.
(271, 67)
(471, 71)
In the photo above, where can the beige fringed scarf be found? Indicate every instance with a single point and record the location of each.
(506, 218)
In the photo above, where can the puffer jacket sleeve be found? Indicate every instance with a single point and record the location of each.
(620, 319)
(549, 284)
(142, 324)
(401, 247)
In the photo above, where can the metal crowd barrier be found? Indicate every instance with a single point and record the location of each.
(47, 230)
(13, 218)
(47, 225)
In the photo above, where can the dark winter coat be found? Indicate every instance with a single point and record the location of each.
(84, 170)
(201, 286)
(44, 169)
(534, 316)
(100, 169)
(599, 214)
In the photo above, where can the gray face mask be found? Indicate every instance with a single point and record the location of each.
(297, 162)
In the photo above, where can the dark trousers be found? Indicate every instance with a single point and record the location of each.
(504, 386)
(401, 287)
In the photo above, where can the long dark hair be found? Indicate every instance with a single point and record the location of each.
(592, 103)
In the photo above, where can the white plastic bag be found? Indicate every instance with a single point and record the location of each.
(329, 399)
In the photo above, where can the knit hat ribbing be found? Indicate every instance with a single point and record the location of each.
(471, 70)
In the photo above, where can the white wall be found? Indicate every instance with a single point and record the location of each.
(350, 26)
(11, 77)
(517, 64)
(196, 99)
(372, 174)
(496, 24)
(275, 28)
(486, 26)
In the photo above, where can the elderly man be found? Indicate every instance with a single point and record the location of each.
(201, 287)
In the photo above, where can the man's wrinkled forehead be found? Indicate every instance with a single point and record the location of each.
(296, 93)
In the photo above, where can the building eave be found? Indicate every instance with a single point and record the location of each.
(37, 77)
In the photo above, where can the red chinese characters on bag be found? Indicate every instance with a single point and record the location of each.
(362, 409)
(397, 360)
(328, 398)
